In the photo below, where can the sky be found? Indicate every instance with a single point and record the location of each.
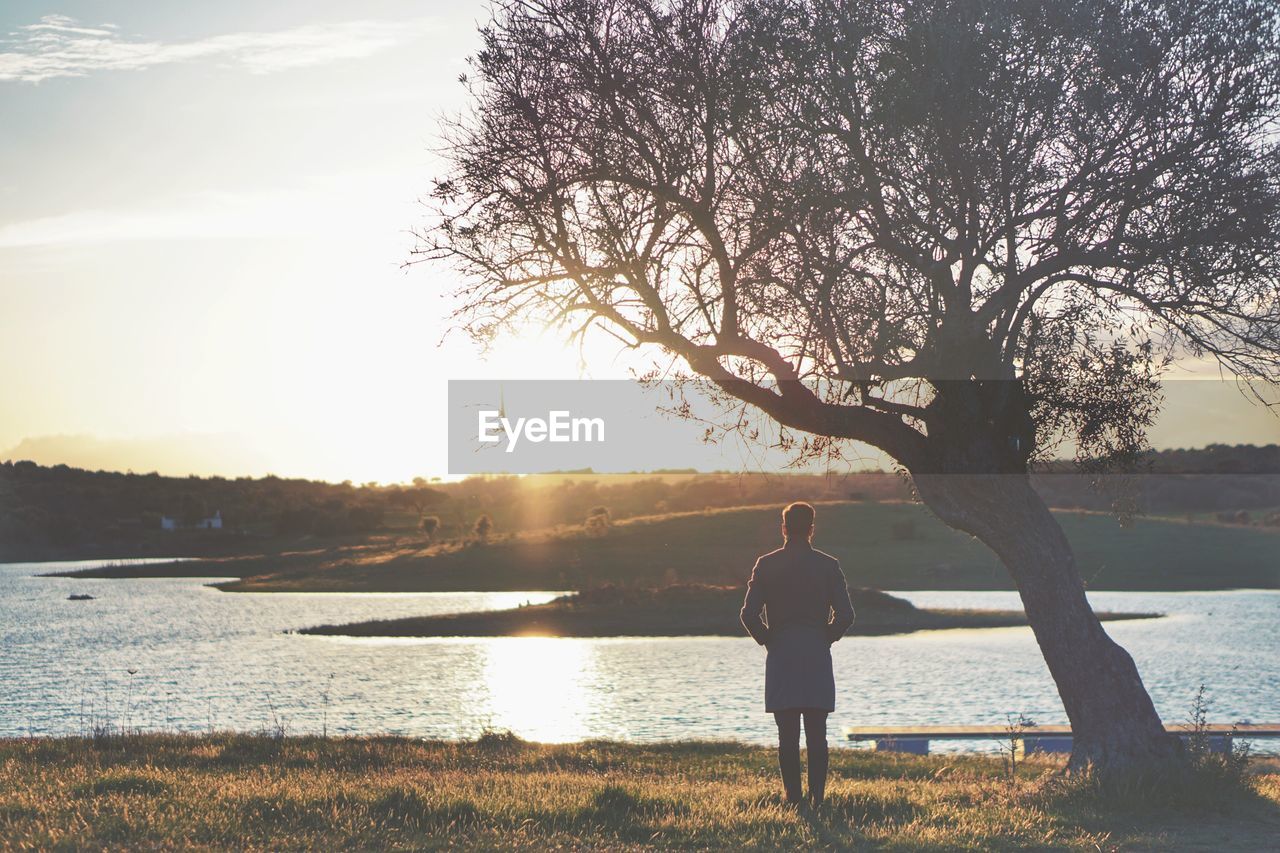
(201, 246)
(204, 216)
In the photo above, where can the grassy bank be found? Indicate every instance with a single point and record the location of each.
(671, 611)
(244, 791)
(881, 545)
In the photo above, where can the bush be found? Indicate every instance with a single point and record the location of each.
(1222, 771)
(598, 521)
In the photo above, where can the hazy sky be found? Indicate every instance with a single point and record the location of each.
(203, 214)
(202, 221)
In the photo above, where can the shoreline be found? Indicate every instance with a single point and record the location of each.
(680, 610)
(231, 575)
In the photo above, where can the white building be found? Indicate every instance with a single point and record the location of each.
(214, 522)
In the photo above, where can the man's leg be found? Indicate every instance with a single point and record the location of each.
(815, 739)
(789, 752)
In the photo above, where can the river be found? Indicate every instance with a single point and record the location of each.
(174, 654)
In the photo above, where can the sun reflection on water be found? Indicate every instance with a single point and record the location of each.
(541, 688)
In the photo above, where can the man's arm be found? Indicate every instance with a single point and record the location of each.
(841, 604)
(753, 607)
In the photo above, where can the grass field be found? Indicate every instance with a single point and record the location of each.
(260, 792)
(880, 545)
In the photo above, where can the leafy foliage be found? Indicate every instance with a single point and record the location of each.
(845, 214)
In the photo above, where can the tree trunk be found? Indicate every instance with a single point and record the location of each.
(1115, 726)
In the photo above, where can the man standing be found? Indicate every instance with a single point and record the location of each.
(797, 605)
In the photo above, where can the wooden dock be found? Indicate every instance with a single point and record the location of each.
(915, 739)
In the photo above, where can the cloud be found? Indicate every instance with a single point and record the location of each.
(60, 46)
(64, 24)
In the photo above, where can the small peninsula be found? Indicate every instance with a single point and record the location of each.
(676, 610)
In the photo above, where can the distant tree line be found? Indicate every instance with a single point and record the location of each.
(60, 505)
(1219, 479)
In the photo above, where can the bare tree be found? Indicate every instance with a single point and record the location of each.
(957, 230)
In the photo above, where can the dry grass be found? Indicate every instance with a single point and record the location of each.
(247, 791)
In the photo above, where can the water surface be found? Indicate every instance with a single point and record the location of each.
(206, 659)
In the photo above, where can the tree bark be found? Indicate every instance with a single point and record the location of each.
(1116, 730)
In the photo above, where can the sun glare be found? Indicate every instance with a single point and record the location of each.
(540, 687)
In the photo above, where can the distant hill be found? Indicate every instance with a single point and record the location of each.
(118, 513)
(880, 545)
(1214, 479)
(61, 511)
(1218, 459)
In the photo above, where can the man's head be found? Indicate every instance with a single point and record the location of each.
(797, 521)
